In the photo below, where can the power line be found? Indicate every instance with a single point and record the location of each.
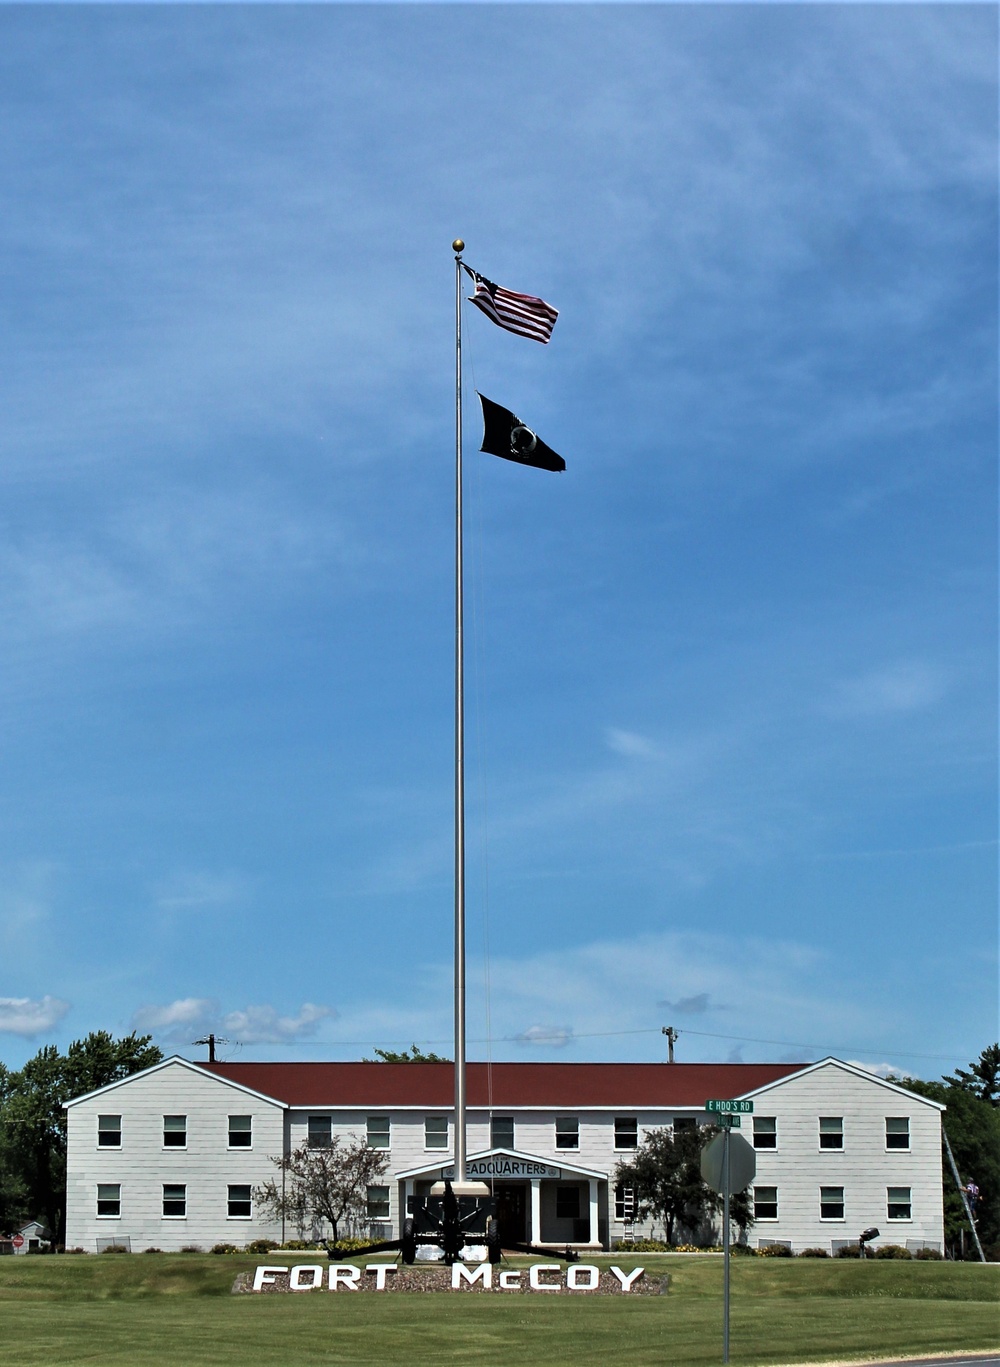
(822, 1049)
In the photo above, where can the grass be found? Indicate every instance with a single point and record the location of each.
(153, 1309)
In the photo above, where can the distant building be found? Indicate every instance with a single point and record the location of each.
(34, 1237)
(170, 1157)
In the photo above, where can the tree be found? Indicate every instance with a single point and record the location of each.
(33, 1121)
(411, 1055)
(666, 1177)
(325, 1185)
(972, 1124)
(981, 1078)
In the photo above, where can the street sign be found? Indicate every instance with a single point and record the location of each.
(730, 1107)
(18, 1241)
(742, 1163)
(727, 1121)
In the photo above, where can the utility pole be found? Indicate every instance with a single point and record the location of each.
(671, 1035)
(211, 1041)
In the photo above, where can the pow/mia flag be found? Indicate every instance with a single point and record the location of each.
(504, 434)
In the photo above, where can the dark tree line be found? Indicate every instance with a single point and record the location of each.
(33, 1121)
(972, 1124)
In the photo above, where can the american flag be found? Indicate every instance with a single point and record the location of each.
(520, 313)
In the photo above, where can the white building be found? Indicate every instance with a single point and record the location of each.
(170, 1157)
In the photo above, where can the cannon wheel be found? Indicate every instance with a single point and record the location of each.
(408, 1243)
(493, 1250)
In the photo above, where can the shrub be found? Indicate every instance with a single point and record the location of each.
(743, 1251)
(643, 1246)
(928, 1254)
(261, 1245)
(224, 1248)
(848, 1251)
(74, 1250)
(152, 1250)
(814, 1253)
(893, 1251)
(775, 1251)
(115, 1248)
(299, 1244)
(352, 1245)
(192, 1248)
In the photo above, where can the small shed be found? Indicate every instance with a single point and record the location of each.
(36, 1238)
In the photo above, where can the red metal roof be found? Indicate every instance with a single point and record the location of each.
(545, 1085)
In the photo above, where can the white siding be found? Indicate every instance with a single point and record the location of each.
(798, 1167)
(206, 1166)
(865, 1168)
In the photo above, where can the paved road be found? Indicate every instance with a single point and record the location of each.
(971, 1360)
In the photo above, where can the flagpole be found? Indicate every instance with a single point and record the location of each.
(460, 1095)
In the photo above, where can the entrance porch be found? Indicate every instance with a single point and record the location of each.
(536, 1202)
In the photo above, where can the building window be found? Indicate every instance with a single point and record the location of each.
(320, 1133)
(378, 1203)
(626, 1132)
(899, 1203)
(765, 1203)
(378, 1131)
(831, 1131)
(502, 1132)
(174, 1200)
(109, 1199)
(240, 1207)
(567, 1203)
(831, 1203)
(625, 1203)
(240, 1131)
(436, 1132)
(897, 1132)
(765, 1132)
(175, 1131)
(684, 1122)
(109, 1131)
(567, 1132)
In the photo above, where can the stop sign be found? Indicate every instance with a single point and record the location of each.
(18, 1241)
(742, 1163)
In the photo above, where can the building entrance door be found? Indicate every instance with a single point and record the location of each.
(512, 1212)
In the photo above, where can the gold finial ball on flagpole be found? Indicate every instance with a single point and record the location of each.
(458, 245)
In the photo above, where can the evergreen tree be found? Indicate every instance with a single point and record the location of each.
(972, 1124)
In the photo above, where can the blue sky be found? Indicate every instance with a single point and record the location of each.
(732, 677)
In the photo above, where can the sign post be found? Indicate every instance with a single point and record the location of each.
(728, 1164)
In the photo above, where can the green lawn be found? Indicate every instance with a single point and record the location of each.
(176, 1309)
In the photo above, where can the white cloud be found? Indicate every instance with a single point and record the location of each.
(22, 1016)
(199, 892)
(631, 744)
(909, 686)
(556, 1035)
(882, 1069)
(180, 1020)
(263, 1025)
